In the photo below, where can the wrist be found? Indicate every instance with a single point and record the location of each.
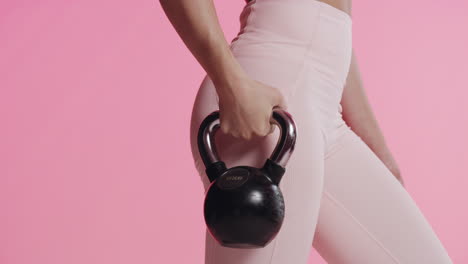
(227, 73)
(231, 83)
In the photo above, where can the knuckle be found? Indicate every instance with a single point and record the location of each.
(234, 134)
(245, 135)
(225, 128)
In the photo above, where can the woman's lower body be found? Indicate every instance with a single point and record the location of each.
(339, 197)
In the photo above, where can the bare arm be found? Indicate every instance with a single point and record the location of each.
(197, 24)
(357, 113)
(245, 104)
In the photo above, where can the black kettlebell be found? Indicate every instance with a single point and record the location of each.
(244, 206)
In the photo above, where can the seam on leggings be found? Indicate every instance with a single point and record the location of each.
(341, 143)
(273, 250)
(305, 63)
(329, 196)
(306, 53)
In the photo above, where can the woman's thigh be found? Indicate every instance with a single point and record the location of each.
(366, 216)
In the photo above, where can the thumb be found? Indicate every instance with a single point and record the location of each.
(281, 102)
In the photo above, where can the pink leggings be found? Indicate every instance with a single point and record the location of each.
(339, 197)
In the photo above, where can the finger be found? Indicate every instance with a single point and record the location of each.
(272, 129)
(282, 102)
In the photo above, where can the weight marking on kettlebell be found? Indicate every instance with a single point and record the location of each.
(234, 178)
(231, 181)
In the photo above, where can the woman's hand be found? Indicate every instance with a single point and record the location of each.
(245, 112)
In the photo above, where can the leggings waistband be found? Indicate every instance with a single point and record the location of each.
(329, 9)
(293, 21)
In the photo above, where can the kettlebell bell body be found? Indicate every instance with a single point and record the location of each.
(244, 206)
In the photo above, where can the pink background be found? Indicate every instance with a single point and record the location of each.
(95, 103)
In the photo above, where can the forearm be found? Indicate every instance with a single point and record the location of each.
(197, 24)
(358, 114)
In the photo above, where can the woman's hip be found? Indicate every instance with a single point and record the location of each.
(301, 47)
(296, 33)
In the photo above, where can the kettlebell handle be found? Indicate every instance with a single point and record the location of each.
(281, 154)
